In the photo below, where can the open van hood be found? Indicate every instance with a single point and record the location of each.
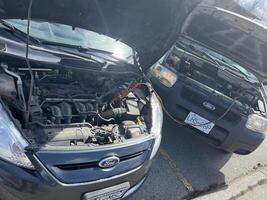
(150, 27)
(230, 34)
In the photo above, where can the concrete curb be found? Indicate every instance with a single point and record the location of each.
(239, 187)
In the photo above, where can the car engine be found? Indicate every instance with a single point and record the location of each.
(72, 107)
(206, 73)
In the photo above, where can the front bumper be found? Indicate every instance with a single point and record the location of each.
(229, 135)
(21, 184)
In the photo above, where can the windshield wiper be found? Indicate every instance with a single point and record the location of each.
(73, 55)
(215, 61)
(84, 50)
(77, 47)
(13, 29)
(231, 67)
(207, 55)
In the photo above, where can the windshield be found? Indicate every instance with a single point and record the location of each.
(256, 8)
(222, 60)
(64, 34)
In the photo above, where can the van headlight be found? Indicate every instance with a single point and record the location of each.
(165, 76)
(12, 144)
(257, 123)
(156, 126)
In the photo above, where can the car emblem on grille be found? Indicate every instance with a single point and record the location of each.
(109, 162)
(208, 105)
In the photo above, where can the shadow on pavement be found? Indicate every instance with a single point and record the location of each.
(199, 162)
(185, 165)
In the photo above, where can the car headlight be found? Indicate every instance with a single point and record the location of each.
(12, 144)
(165, 76)
(257, 123)
(157, 120)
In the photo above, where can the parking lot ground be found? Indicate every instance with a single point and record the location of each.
(186, 166)
(249, 187)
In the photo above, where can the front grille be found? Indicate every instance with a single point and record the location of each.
(78, 166)
(198, 98)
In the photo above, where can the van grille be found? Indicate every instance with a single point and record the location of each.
(197, 99)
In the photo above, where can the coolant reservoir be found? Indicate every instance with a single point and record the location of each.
(7, 87)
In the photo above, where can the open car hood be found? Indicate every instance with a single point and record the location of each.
(232, 35)
(150, 27)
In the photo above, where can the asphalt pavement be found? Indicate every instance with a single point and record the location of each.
(187, 167)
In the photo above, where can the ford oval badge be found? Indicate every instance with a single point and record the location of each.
(209, 106)
(109, 162)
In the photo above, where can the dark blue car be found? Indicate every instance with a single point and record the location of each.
(78, 117)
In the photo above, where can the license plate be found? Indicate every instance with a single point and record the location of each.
(199, 122)
(111, 193)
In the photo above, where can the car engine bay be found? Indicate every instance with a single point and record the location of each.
(71, 107)
(206, 73)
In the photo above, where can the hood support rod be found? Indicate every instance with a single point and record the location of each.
(28, 110)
